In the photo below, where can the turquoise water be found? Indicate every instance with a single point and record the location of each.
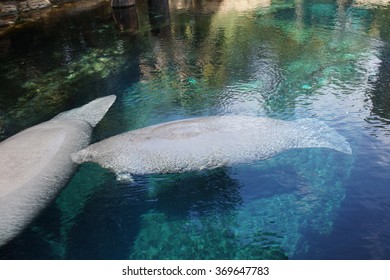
(328, 60)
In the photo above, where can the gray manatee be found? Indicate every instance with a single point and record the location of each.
(205, 143)
(35, 163)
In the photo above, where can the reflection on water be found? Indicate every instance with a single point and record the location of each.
(126, 18)
(168, 60)
(372, 3)
(158, 12)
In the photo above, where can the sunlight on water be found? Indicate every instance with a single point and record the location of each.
(289, 60)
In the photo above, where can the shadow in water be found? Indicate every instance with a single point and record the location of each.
(126, 19)
(197, 216)
(158, 15)
(109, 230)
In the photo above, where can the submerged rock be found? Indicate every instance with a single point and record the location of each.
(13, 8)
(29, 5)
(5, 23)
(8, 8)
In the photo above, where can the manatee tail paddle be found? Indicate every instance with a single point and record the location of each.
(316, 134)
(92, 112)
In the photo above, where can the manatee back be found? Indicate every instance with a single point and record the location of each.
(34, 165)
(187, 145)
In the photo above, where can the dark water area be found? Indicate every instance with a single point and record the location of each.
(170, 60)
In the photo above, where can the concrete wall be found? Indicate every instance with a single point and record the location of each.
(11, 11)
(10, 8)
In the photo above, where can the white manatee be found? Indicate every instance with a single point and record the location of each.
(205, 143)
(35, 163)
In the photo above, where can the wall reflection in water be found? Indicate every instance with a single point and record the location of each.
(126, 18)
(193, 58)
(158, 15)
(150, 14)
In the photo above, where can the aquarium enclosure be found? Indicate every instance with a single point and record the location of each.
(169, 60)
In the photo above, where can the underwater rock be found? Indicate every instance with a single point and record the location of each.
(8, 8)
(13, 8)
(35, 163)
(5, 23)
(205, 237)
(206, 143)
(51, 90)
(30, 5)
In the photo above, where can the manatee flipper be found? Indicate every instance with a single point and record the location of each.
(124, 178)
(35, 164)
(85, 156)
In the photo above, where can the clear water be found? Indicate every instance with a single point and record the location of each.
(328, 60)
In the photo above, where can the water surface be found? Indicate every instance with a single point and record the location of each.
(169, 60)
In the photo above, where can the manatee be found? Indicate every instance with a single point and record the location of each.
(35, 163)
(206, 143)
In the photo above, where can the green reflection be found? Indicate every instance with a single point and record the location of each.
(274, 58)
(218, 220)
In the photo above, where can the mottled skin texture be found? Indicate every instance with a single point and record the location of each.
(35, 164)
(204, 143)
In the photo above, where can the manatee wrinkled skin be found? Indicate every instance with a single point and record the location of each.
(35, 164)
(205, 143)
